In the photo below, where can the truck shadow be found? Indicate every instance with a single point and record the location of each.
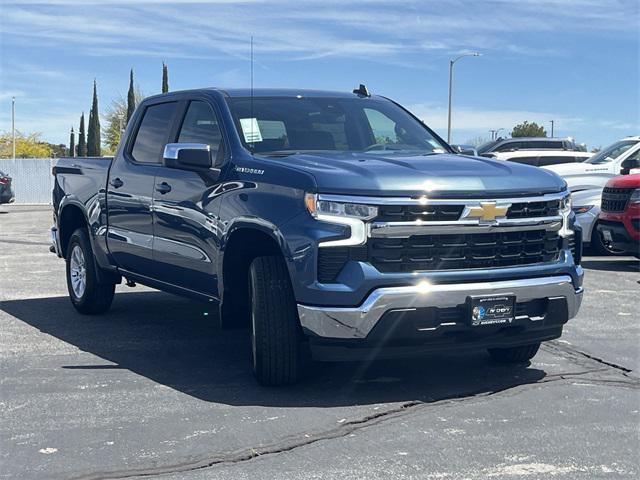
(175, 342)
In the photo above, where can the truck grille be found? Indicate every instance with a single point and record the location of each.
(615, 199)
(534, 209)
(440, 213)
(444, 252)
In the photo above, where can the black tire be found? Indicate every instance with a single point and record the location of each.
(275, 331)
(520, 354)
(598, 247)
(96, 296)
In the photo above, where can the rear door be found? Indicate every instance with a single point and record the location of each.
(186, 207)
(130, 189)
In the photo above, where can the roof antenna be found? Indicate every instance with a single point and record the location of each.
(362, 91)
(251, 101)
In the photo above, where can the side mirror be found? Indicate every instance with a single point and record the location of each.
(629, 164)
(187, 156)
(464, 150)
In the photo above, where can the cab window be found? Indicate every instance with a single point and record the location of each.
(153, 133)
(200, 125)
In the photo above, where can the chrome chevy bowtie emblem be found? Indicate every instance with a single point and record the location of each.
(487, 211)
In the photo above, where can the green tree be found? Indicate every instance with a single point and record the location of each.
(82, 139)
(165, 78)
(27, 146)
(526, 129)
(72, 143)
(131, 98)
(116, 120)
(93, 135)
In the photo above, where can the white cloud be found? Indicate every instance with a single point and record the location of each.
(294, 30)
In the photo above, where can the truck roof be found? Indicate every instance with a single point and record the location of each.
(265, 92)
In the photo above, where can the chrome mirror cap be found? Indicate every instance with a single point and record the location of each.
(172, 150)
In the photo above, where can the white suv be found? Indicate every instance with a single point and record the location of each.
(594, 172)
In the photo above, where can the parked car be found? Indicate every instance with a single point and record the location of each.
(619, 219)
(541, 158)
(6, 189)
(597, 170)
(586, 206)
(527, 143)
(326, 222)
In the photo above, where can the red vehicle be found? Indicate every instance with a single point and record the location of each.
(619, 222)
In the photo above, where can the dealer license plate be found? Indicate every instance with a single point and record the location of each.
(494, 310)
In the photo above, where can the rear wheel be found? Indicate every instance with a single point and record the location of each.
(88, 295)
(275, 334)
(520, 354)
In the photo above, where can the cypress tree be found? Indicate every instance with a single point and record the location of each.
(93, 135)
(131, 98)
(165, 78)
(72, 144)
(82, 139)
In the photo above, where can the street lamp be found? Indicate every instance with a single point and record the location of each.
(451, 62)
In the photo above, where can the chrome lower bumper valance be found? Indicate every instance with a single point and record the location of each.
(357, 322)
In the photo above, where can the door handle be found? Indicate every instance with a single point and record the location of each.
(163, 188)
(116, 183)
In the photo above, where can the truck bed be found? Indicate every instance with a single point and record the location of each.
(82, 177)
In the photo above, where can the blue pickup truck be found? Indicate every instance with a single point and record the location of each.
(331, 225)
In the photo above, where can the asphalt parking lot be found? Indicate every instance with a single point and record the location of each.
(151, 388)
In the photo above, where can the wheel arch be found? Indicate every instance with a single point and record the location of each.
(71, 217)
(244, 242)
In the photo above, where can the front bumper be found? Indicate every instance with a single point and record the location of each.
(620, 236)
(561, 301)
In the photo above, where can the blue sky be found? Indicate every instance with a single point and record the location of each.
(573, 61)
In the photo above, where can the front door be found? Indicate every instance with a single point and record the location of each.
(130, 190)
(186, 208)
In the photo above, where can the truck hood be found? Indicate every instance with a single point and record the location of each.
(437, 175)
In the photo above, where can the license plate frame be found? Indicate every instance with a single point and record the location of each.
(489, 310)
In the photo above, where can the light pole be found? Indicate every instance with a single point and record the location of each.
(13, 125)
(552, 122)
(451, 63)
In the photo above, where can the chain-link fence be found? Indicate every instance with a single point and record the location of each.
(31, 178)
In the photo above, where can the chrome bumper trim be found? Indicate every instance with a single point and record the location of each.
(357, 322)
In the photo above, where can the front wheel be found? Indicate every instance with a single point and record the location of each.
(520, 354)
(598, 245)
(88, 295)
(275, 333)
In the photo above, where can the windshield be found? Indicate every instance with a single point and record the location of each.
(286, 125)
(488, 146)
(611, 152)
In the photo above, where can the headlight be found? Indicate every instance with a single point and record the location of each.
(339, 209)
(635, 196)
(352, 215)
(565, 211)
(582, 209)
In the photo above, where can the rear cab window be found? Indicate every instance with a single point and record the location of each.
(153, 133)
